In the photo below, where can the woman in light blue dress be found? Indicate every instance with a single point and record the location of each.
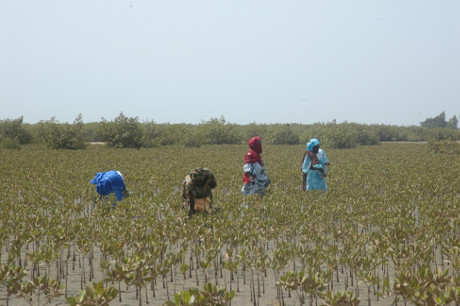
(314, 167)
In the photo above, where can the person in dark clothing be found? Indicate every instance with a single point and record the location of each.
(197, 190)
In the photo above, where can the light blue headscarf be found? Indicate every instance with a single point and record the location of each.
(313, 142)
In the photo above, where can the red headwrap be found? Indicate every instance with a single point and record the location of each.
(255, 144)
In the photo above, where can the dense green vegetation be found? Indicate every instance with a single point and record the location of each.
(388, 229)
(440, 121)
(128, 132)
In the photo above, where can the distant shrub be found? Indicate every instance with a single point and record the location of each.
(217, 131)
(64, 135)
(443, 146)
(151, 134)
(123, 132)
(193, 140)
(339, 136)
(129, 132)
(387, 132)
(253, 130)
(366, 136)
(10, 143)
(285, 136)
(173, 134)
(441, 134)
(14, 129)
(343, 135)
(192, 143)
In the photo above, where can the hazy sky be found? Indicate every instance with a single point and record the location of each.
(285, 61)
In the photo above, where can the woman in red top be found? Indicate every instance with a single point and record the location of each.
(255, 178)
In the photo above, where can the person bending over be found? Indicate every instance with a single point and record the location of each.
(197, 190)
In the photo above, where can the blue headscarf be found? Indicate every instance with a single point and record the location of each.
(313, 142)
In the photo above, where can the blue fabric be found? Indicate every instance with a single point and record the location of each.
(109, 182)
(313, 142)
(316, 179)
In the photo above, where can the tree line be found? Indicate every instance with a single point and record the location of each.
(129, 132)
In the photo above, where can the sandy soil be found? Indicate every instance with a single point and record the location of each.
(267, 287)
